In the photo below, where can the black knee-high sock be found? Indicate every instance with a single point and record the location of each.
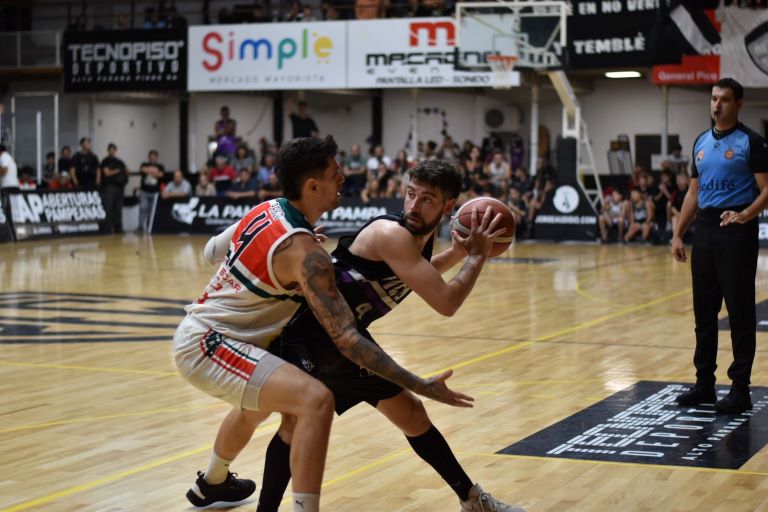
(277, 473)
(433, 448)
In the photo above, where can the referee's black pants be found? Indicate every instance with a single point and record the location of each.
(723, 266)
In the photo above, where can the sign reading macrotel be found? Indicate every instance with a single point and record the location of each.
(415, 52)
(269, 56)
(125, 60)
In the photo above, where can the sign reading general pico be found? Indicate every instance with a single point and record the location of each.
(412, 52)
(267, 56)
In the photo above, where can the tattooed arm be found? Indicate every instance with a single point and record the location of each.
(319, 284)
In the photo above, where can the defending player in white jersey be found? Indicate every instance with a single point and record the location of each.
(219, 347)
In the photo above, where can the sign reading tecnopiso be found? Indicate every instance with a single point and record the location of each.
(413, 52)
(54, 214)
(270, 56)
(644, 424)
(125, 60)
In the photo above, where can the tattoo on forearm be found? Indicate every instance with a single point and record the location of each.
(334, 315)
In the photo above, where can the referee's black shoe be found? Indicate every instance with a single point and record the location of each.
(697, 395)
(735, 402)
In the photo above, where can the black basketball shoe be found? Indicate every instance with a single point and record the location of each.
(231, 490)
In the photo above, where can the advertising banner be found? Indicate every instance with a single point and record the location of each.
(211, 215)
(6, 233)
(611, 34)
(685, 44)
(354, 213)
(411, 52)
(55, 214)
(745, 46)
(268, 56)
(125, 60)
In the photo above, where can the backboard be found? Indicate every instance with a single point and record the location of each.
(532, 31)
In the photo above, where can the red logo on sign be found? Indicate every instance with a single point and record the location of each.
(431, 28)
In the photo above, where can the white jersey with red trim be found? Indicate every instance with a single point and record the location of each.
(244, 300)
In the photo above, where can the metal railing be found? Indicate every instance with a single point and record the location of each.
(36, 48)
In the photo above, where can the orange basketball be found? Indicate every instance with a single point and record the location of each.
(462, 221)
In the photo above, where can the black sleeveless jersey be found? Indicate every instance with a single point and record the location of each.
(370, 288)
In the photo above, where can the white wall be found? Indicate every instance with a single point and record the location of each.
(252, 112)
(135, 127)
(464, 113)
(634, 107)
(346, 117)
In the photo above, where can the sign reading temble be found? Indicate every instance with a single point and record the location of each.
(644, 424)
(54, 214)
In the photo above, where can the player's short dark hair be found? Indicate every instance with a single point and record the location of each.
(730, 83)
(111, 145)
(439, 173)
(301, 159)
(82, 140)
(153, 152)
(3, 149)
(50, 154)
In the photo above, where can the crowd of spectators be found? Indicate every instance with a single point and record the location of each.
(651, 210)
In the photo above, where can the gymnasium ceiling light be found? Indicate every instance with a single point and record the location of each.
(623, 74)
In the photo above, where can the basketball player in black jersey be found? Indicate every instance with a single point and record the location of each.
(375, 270)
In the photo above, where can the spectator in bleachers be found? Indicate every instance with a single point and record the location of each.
(613, 215)
(271, 189)
(152, 18)
(152, 174)
(225, 130)
(112, 177)
(122, 22)
(517, 154)
(242, 159)
(62, 182)
(295, 12)
(448, 151)
(641, 215)
(523, 183)
(204, 187)
(65, 160)
(301, 124)
(85, 166)
(389, 182)
(676, 161)
(266, 169)
(355, 172)
(308, 14)
(545, 170)
(49, 169)
(682, 182)
(499, 171)
(173, 19)
(519, 210)
(378, 157)
(544, 186)
(430, 8)
(476, 171)
(178, 188)
(27, 178)
(371, 9)
(644, 185)
(222, 175)
(661, 201)
(244, 188)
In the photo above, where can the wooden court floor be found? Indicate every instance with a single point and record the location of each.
(93, 416)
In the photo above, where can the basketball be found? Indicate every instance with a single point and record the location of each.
(462, 221)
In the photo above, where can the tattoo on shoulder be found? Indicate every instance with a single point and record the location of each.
(284, 245)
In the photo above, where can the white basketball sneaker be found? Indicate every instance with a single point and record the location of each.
(481, 501)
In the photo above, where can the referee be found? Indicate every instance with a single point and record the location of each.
(729, 189)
